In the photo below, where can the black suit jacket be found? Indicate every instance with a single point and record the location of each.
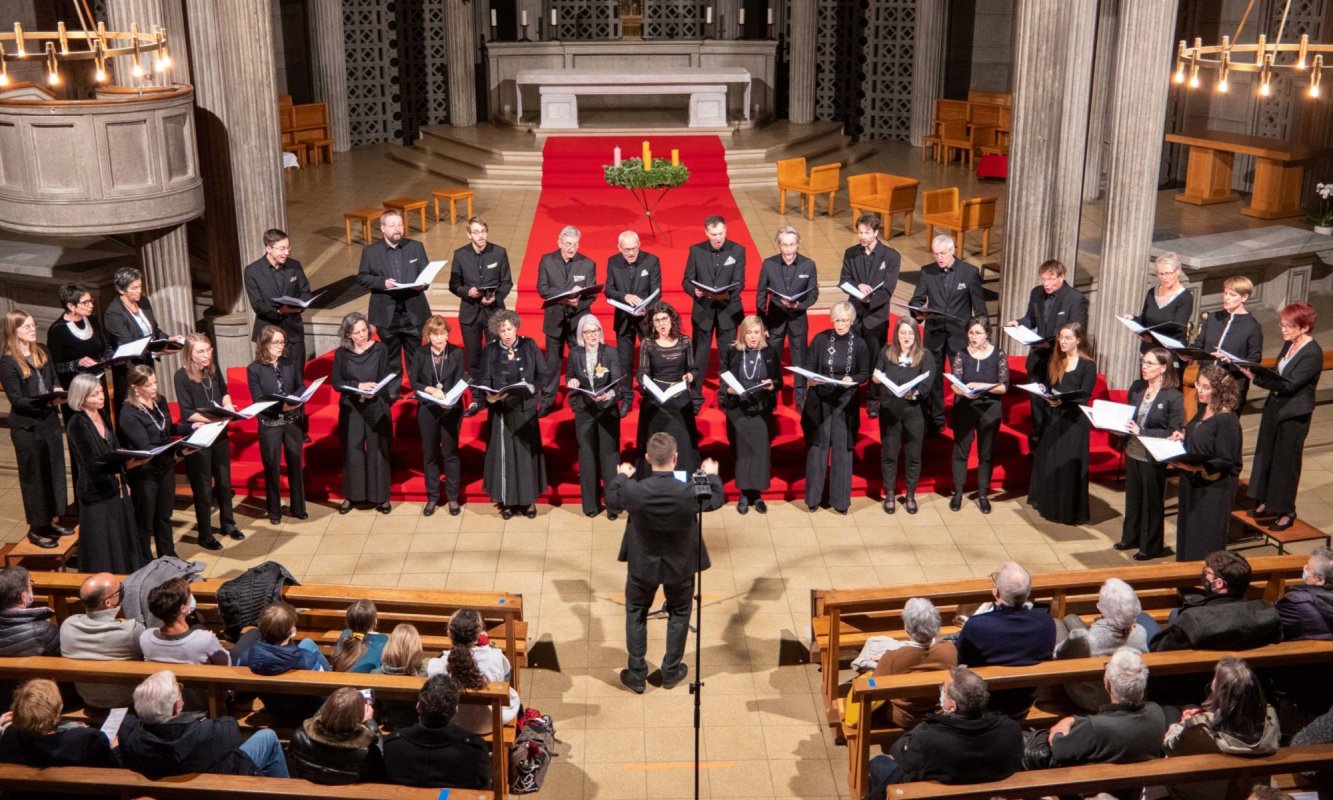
(1292, 395)
(1167, 414)
(555, 276)
(958, 293)
(1070, 305)
(882, 265)
(488, 269)
(374, 271)
(800, 276)
(576, 368)
(263, 282)
(716, 268)
(26, 413)
(659, 543)
(121, 328)
(640, 278)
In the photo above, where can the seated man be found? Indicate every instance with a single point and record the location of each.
(1015, 634)
(922, 653)
(435, 752)
(1127, 731)
(24, 630)
(98, 635)
(160, 739)
(272, 651)
(964, 744)
(1306, 610)
(1221, 618)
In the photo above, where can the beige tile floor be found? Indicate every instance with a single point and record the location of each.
(762, 736)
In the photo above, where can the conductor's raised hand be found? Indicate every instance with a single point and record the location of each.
(709, 466)
(626, 469)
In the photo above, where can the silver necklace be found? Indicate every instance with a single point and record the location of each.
(748, 368)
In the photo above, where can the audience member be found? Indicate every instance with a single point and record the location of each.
(340, 744)
(270, 650)
(403, 655)
(359, 646)
(1234, 720)
(177, 641)
(435, 752)
(963, 744)
(921, 653)
(24, 630)
(34, 736)
(1319, 731)
(1013, 634)
(1221, 618)
(1306, 610)
(97, 635)
(471, 665)
(1120, 625)
(160, 739)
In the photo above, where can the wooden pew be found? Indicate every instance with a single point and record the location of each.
(1239, 772)
(844, 619)
(323, 606)
(867, 689)
(217, 681)
(98, 782)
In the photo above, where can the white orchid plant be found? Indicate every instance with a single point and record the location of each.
(1324, 218)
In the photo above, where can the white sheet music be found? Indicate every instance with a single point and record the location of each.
(818, 378)
(903, 390)
(426, 277)
(666, 394)
(1162, 448)
(1022, 334)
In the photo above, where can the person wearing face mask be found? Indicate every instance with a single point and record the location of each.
(872, 267)
(1219, 617)
(177, 641)
(25, 629)
(1052, 305)
(1208, 487)
(108, 532)
(99, 634)
(901, 419)
(364, 424)
(435, 370)
(479, 277)
(1306, 609)
(396, 312)
(130, 318)
(595, 367)
(831, 411)
(200, 384)
(1233, 331)
(984, 370)
(632, 276)
(145, 423)
(788, 274)
(951, 289)
(755, 365)
(272, 373)
(515, 469)
(666, 357)
(1059, 488)
(560, 271)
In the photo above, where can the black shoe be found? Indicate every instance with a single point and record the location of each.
(623, 407)
(588, 514)
(812, 509)
(1124, 545)
(384, 507)
(506, 512)
(429, 510)
(983, 503)
(1277, 525)
(672, 680)
(44, 542)
(234, 533)
(276, 520)
(1141, 556)
(761, 506)
(743, 505)
(910, 503)
(629, 683)
(473, 409)
(209, 543)
(612, 516)
(345, 507)
(889, 505)
(956, 502)
(302, 515)
(530, 512)
(60, 530)
(455, 509)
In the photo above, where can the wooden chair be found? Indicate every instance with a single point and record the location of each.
(405, 206)
(791, 178)
(824, 179)
(940, 209)
(885, 194)
(453, 196)
(363, 216)
(965, 139)
(945, 111)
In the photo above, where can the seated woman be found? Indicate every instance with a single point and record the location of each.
(177, 642)
(34, 736)
(403, 655)
(340, 744)
(271, 649)
(472, 665)
(923, 652)
(359, 645)
(1118, 626)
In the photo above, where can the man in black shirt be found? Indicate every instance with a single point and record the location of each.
(720, 264)
(1051, 305)
(479, 276)
(560, 271)
(791, 274)
(950, 288)
(396, 313)
(872, 267)
(631, 277)
(274, 275)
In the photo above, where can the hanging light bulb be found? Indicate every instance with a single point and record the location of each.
(1179, 77)
(1315, 76)
(1300, 54)
(21, 49)
(1266, 76)
(99, 58)
(1223, 80)
(4, 69)
(52, 66)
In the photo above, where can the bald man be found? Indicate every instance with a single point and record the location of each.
(98, 635)
(631, 277)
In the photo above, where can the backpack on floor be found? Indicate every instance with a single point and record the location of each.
(532, 751)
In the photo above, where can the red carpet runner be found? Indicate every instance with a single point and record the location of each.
(574, 193)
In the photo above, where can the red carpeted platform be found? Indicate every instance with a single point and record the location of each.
(573, 193)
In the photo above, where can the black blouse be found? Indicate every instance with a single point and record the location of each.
(98, 480)
(994, 368)
(351, 368)
(67, 349)
(1178, 311)
(144, 429)
(666, 365)
(26, 413)
(429, 372)
(266, 380)
(901, 373)
(192, 395)
(1218, 438)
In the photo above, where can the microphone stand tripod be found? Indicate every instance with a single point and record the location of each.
(703, 492)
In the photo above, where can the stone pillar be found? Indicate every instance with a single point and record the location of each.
(932, 19)
(801, 34)
(147, 14)
(329, 76)
(1103, 70)
(1053, 63)
(460, 47)
(1136, 118)
(164, 257)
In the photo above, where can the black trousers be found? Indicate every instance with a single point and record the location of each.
(985, 437)
(906, 431)
(402, 340)
(474, 339)
(153, 492)
(366, 434)
(935, 410)
(41, 462)
(555, 358)
(598, 434)
(210, 476)
(439, 446)
(626, 349)
(703, 350)
(638, 600)
(1145, 494)
(277, 442)
(828, 454)
(873, 335)
(799, 344)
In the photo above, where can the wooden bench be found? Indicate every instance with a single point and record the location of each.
(30, 555)
(217, 681)
(98, 782)
(322, 608)
(454, 196)
(1239, 772)
(868, 690)
(405, 206)
(842, 620)
(364, 217)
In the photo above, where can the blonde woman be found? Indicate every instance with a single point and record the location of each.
(29, 379)
(201, 384)
(756, 366)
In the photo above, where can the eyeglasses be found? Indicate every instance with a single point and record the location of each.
(87, 301)
(1148, 362)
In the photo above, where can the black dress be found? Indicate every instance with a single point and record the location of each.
(1240, 335)
(977, 419)
(830, 416)
(1178, 311)
(750, 416)
(1206, 497)
(280, 435)
(364, 424)
(1145, 477)
(1276, 471)
(902, 420)
(439, 425)
(152, 485)
(34, 427)
(1059, 488)
(69, 343)
(209, 470)
(108, 533)
(122, 327)
(515, 469)
(596, 422)
(667, 365)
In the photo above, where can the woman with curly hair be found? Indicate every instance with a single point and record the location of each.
(364, 427)
(666, 358)
(515, 470)
(471, 665)
(1207, 490)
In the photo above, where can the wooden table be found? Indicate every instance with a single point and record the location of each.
(364, 216)
(405, 206)
(1278, 170)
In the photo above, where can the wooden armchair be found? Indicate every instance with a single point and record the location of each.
(966, 139)
(941, 208)
(823, 179)
(945, 111)
(791, 178)
(885, 194)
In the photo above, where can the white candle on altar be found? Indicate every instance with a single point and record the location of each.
(616, 155)
(492, 18)
(708, 15)
(524, 15)
(740, 17)
(770, 15)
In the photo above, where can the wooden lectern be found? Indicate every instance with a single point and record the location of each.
(1278, 170)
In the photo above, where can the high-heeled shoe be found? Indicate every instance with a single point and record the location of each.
(956, 502)
(530, 512)
(910, 503)
(1279, 525)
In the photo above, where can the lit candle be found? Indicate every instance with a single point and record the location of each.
(553, 17)
(708, 15)
(647, 156)
(675, 157)
(524, 15)
(492, 18)
(740, 17)
(770, 15)
(616, 155)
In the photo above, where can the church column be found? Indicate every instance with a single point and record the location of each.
(460, 26)
(1103, 69)
(147, 14)
(932, 17)
(801, 61)
(1136, 118)
(1052, 65)
(726, 11)
(329, 76)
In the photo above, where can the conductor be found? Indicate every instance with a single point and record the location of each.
(661, 549)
